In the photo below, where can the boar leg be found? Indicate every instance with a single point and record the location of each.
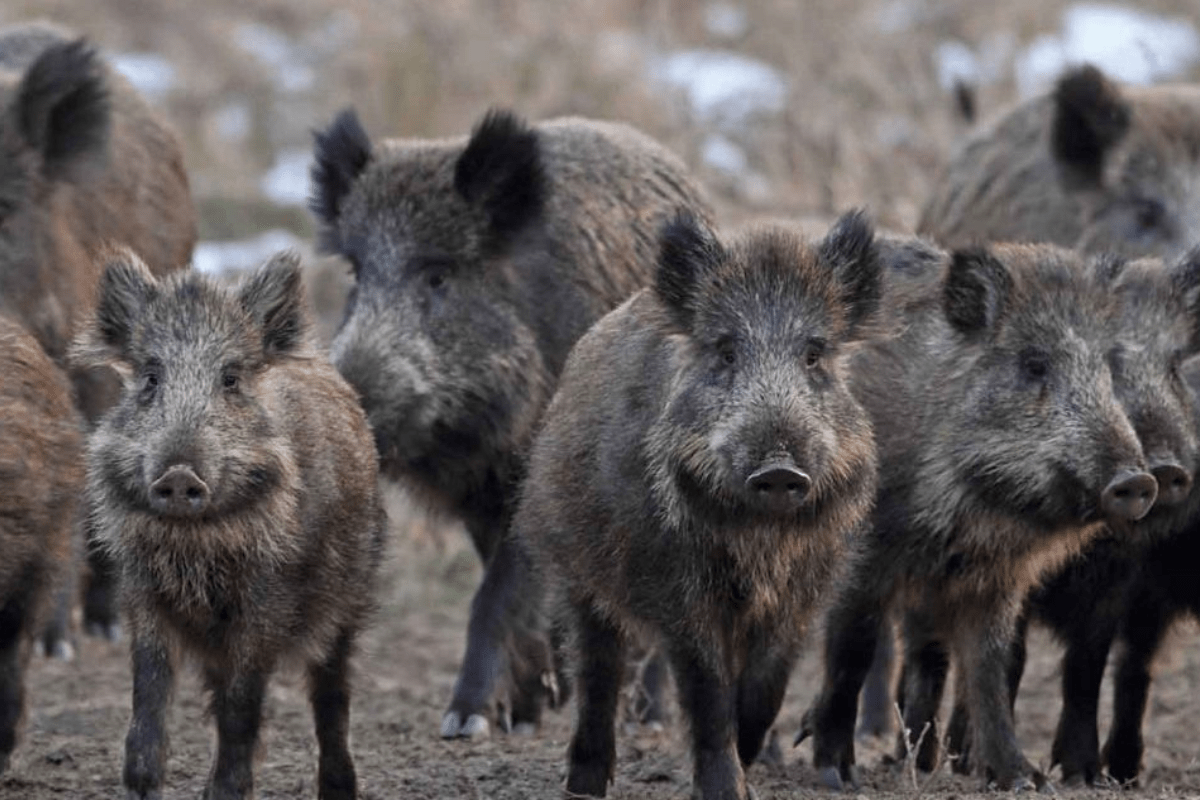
(237, 700)
(851, 632)
(100, 597)
(983, 645)
(504, 614)
(876, 713)
(922, 682)
(329, 692)
(760, 693)
(146, 742)
(593, 750)
(14, 622)
(710, 702)
(1143, 629)
(958, 732)
(1077, 738)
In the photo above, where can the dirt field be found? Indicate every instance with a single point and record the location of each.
(861, 119)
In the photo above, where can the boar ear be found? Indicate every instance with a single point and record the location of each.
(1090, 116)
(1185, 280)
(976, 291)
(273, 296)
(850, 251)
(687, 250)
(62, 106)
(340, 154)
(501, 172)
(126, 288)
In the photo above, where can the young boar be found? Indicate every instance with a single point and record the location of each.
(41, 478)
(84, 160)
(698, 477)
(478, 262)
(1088, 602)
(1003, 449)
(1094, 165)
(234, 485)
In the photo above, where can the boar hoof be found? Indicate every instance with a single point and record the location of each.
(109, 631)
(58, 649)
(476, 726)
(832, 778)
(149, 794)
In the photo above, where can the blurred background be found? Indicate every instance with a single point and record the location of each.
(793, 109)
(785, 108)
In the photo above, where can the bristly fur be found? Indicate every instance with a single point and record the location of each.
(501, 171)
(340, 154)
(688, 251)
(977, 290)
(1089, 118)
(63, 107)
(849, 249)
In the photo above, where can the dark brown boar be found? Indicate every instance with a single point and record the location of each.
(1003, 449)
(478, 262)
(699, 476)
(83, 161)
(1095, 598)
(1093, 165)
(41, 479)
(234, 485)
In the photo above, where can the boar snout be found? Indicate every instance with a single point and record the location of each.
(1174, 483)
(778, 485)
(1129, 495)
(179, 492)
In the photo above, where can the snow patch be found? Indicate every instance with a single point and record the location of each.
(150, 73)
(722, 154)
(286, 183)
(216, 258)
(1127, 44)
(274, 49)
(722, 86)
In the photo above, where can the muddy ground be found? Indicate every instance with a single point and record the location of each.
(864, 119)
(72, 747)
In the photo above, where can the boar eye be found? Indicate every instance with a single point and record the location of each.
(1035, 365)
(230, 381)
(436, 280)
(149, 386)
(814, 353)
(727, 352)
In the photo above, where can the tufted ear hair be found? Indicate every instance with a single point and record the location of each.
(500, 171)
(1090, 117)
(849, 249)
(688, 250)
(62, 106)
(976, 292)
(273, 296)
(126, 288)
(340, 154)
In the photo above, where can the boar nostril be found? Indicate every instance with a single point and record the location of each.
(1129, 495)
(1174, 483)
(785, 483)
(179, 492)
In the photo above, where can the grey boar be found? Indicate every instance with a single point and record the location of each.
(84, 160)
(234, 485)
(1003, 449)
(478, 261)
(1093, 165)
(700, 475)
(41, 479)
(1127, 585)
